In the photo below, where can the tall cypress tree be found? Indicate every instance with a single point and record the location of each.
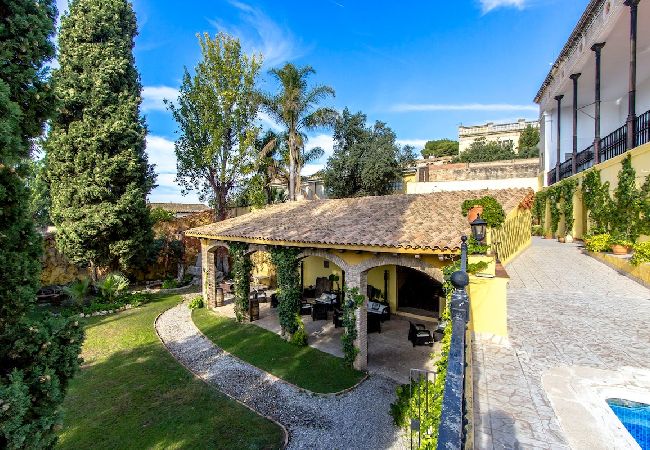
(38, 352)
(97, 165)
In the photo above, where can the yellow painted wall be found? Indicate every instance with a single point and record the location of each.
(262, 265)
(514, 235)
(488, 305)
(376, 279)
(314, 267)
(473, 259)
(608, 173)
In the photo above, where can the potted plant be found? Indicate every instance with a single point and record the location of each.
(568, 238)
(335, 278)
(621, 244)
(561, 239)
(473, 213)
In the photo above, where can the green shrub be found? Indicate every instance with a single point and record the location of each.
(300, 336)
(78, 291)
(619, 238)
(112, 286)
(598, 242)
(475, 248)
(160, 215)
(196, 303)
(169, 284)
(537, 230)
(493, 212)
(641, 253)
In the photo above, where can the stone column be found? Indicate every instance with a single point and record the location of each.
(631, 97)
(597, 50)
(575, 77)
(208, 275)
(559, 128)
(358, 280)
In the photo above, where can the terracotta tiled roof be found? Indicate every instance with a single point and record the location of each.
(420, 221)
(180, 207)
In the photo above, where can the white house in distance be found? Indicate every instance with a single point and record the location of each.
(505, 133)
(597, 90)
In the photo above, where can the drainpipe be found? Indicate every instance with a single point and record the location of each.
(597, 49)
(575, 77)
(559, 116)
(631, 96)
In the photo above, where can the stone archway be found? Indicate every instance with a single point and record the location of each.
(209, 249)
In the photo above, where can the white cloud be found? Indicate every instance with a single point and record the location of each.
(260, 34)
(324, 141)
(418, 144)
(489, 5)
(268, 122)
(153, 96)
(414, 107)
(161, 153)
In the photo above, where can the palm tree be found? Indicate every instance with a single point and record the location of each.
(296, 107)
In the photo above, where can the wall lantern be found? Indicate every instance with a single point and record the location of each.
(478, 228)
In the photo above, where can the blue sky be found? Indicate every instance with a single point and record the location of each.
(423, 67)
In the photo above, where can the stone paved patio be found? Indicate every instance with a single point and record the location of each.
(390, 353)
(564, 309)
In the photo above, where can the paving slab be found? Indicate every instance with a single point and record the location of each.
(565, 309)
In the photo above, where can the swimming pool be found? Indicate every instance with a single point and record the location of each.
(635, 417)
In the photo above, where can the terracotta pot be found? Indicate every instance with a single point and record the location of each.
(473, 213)
(620, 249)
(548, 236)
(561, 239)
(568, 239)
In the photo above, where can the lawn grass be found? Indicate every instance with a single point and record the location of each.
(131, 393)
(306, 367)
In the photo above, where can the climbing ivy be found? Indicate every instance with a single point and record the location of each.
(289, 289)
(353, 300)
(539, 208)
(241, 271)
(568, 188)
(595, 195)
(626, 205)
(553, 195)
(493, 212)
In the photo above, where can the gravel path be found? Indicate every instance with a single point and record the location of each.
(358, 419)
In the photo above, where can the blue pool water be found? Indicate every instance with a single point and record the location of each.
(635, 417)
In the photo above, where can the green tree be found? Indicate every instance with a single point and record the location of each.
(366, 160)
(440, 147)
(97, 165)
(295, 106)
(38, 352)
(216, 113)
(482, 150)
(39, 188)
(528, 140)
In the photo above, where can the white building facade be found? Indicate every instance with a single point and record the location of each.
(504, 133)
(595, 102)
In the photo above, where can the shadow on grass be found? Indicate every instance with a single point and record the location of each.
(133, 394)
(305, 367)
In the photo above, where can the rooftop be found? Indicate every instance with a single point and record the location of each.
(397, 223)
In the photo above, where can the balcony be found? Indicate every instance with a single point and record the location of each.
(612, 145)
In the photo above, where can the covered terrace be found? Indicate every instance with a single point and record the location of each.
(391, 248)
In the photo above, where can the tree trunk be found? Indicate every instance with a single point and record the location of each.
(292, 167)
(93, 272)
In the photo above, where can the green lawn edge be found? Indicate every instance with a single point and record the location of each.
(306, 367)
(131, 393)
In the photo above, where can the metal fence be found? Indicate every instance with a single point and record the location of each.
(452, 430)
(421, 384)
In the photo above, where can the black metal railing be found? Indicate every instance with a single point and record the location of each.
(642, 129)
(451, 432)
(612, 145)
(566, 169)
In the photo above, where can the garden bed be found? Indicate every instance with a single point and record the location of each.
(306, 367)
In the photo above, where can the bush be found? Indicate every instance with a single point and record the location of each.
(112, 286)
(169, 284)
(537, 230)
(300, 337)
(641, 253)
(78, 291)
(196, 303)
(598, 242)
(161, 215)
(134, 299)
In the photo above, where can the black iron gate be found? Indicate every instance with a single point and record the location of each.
(421, 392)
